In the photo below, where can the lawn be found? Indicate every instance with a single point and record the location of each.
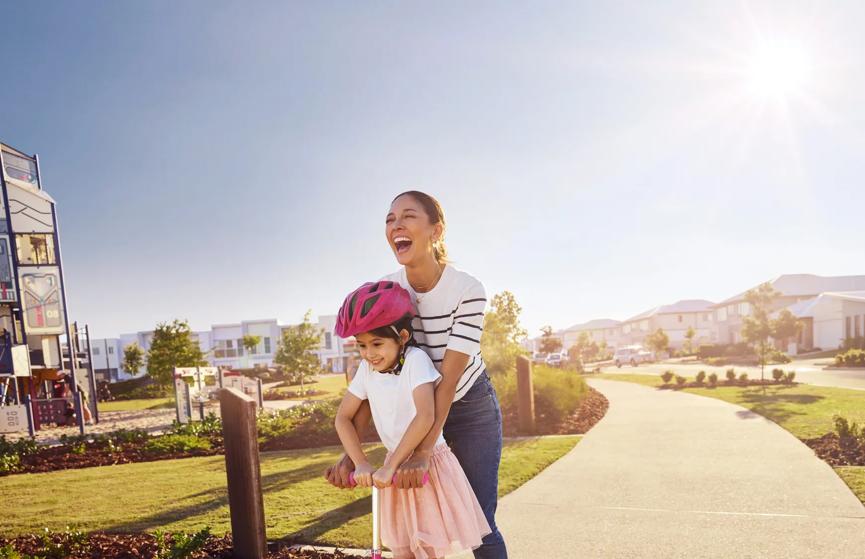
(189, 494)
(331, 386)
(804, 410)
(136, 405)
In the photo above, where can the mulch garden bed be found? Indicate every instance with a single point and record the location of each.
(837, 451)
(591, 410)
(65, 545)
(52, 458)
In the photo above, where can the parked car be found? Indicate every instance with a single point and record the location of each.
(539, 358)
(555, 359)
(632, 355)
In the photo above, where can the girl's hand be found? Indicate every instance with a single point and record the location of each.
(383, 477)
(410, 473)
(363, 475)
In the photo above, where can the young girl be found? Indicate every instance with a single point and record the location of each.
(443, 516)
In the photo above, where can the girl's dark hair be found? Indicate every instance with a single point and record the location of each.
(436, 215)
(403, 323)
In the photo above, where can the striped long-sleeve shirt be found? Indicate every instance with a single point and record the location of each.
(450, 316)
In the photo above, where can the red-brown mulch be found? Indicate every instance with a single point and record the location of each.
(591, 410)
(837, 451)
(52, 458)
(60, 545)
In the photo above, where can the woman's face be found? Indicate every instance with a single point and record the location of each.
(409, 231)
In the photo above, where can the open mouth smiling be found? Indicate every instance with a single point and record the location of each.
(402, 244)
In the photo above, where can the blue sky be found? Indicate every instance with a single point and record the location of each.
(226, 161)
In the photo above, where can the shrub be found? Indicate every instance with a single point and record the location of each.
(701, 377)
(307, 425)
(731, 374)
(680, 380)
(713, 379)
(210, 427)
(9, 463)
(169, 444)
(743, 378)
(558, 393)
(777, 374)
(21, 447)
(667, 377)
(790, 376)
(851, 358)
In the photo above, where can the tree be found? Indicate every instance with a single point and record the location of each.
(549, 342)
(658, 341)
(585, 347)
(133, 359)
(295, 351)
(172, 346)
(500, 342)
(689, 336)
(756, 327)
(786, 326)
(250, 342)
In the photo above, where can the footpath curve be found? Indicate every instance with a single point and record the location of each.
(668, 474)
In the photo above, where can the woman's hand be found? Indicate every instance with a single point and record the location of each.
(363, 475)
(338, 474)
(383, 477)
(410, 474)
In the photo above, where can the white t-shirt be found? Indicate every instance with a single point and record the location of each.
(450, 316)
(391, 396)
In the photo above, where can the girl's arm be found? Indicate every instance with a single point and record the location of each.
(424, 403)
(411, 471)
(350, 441)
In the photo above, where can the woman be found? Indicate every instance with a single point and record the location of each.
(450, 310)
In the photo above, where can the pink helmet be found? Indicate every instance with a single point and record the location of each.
(371, 306)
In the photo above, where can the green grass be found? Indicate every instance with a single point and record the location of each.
(137, 405)
(803, 409)
(190, 494)
(854, 477)
(332, 386)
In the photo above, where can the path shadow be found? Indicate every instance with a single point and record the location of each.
(329, 521)
(772, 404)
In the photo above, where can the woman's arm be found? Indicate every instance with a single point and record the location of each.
(411, 472)
(424, 403)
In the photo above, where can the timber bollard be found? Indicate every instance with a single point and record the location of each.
(244, 474)
(525, 396)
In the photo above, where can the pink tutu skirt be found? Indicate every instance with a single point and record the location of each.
(441, 518)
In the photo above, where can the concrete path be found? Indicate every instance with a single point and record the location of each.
(670, 474)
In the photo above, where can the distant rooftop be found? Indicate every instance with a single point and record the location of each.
(797, 285)
(683, 306)
(596, 324)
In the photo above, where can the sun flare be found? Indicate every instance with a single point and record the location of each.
(779, 70)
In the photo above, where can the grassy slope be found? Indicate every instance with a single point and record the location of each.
(332, 385)
(804, 410)
(135, 405)
(190, 494)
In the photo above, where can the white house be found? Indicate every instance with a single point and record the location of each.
(222, 345)
(830, 318)
(794, 288)
(600, 330)
(675, 319)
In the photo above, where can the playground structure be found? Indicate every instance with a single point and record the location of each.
(195, 386)
(46, 375)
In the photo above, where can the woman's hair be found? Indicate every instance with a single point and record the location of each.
(403, 323)
(436, 215)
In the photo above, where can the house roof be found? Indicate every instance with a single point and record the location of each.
(805, 308)
(683, 306)
(797, 285)
(596, 324)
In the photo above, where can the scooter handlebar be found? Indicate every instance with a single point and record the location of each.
(352, 481)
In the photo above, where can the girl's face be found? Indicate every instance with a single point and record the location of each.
(409, 231)
(380, 353)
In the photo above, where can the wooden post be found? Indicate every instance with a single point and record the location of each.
(525, 395)
(244, 474)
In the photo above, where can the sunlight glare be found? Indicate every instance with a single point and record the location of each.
(779, 69)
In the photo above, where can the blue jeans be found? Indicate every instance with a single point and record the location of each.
(473, 430)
